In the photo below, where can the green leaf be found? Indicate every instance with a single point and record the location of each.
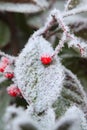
(4, 34)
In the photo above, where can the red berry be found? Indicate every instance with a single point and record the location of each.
(9, 75)
(13, 91)
(5, 60)
(46, 59)
(2, 67)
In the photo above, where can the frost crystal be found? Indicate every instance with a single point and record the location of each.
(39, 84)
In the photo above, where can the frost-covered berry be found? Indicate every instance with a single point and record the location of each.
(2, 67)
(4, 63)
(9, 75)
(5, 60)
(46, 59)
(13, 91)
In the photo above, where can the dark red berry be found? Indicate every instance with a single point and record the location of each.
(9, 75)
(13, 91)
(46, 59)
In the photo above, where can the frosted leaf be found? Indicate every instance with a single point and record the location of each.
(72, 82)
(24, 7)
(18, 119)
(45, 120)
(72, 93)
(73, 119)
(12, 112)
(39, 84)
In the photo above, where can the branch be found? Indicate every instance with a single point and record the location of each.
(75, 11)
(60, 45)
(58, 17)
(67, 5)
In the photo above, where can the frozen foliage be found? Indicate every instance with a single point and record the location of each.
(71, 82)
(24, 7)
(46, 120)
(17, 119)
(54, 95)
(73, 119)
(39, 84)
(46, 86)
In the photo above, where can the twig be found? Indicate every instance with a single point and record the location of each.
(76, 42)
(58, 17)
(52, 33)
(60, 45)
(67, 5)
(51, 21)
(75, 11)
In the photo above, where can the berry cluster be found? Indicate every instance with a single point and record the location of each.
(4, 64)
(6, 68)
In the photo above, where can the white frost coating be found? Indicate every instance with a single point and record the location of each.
(75, 117)
(80, 87)
(12, 109)
(45, 121)
(22, 7)
(39, 84)
(75, 11)
(79, 45)
(48, 120)
(76, 20)
(14, 118)
(58, 16)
